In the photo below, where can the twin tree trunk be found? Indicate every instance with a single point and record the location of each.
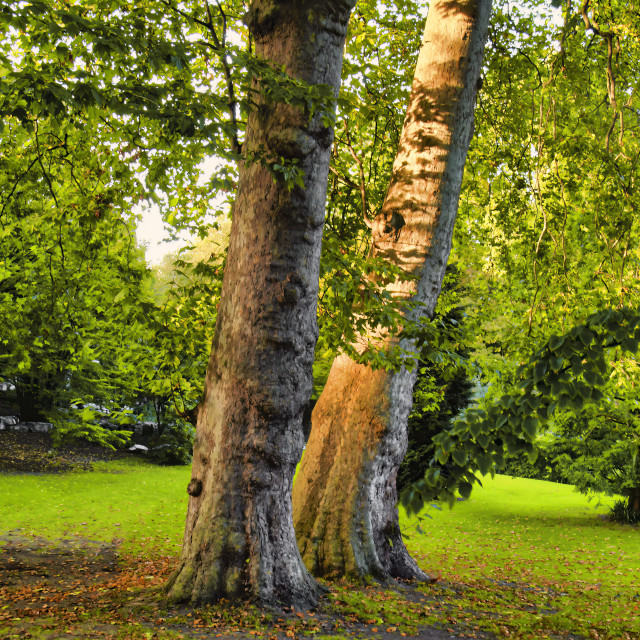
(239, 540)
(345, 513)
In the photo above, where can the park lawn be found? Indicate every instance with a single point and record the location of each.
(519, 559)
(537, 558)
(138, 504)
(519, 529)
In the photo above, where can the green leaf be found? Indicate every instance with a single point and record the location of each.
(539, 371)
(441, 455)
(564, 401)
(120, 296)
(577, 402)
(591, 377)
(484, 439)
(485, 463)
(459, 457)
(465, 489)
(555, 342)
(475, 428)
(530, 425)
(585, 335)
(630, 344)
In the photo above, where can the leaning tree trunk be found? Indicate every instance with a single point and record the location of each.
(239, 540)
(345, 497)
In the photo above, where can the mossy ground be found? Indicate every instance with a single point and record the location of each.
(84, 555)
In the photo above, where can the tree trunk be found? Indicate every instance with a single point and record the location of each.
(345, 497)
(239, 539)
(33, 397)
(633, 503)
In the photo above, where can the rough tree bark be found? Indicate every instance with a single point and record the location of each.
(345, 497)
(239, 540)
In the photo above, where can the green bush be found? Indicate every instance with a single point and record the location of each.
(622, 513)
(175, 445)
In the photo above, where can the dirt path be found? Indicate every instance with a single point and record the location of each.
(82, 589)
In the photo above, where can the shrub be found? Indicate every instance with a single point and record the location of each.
(175, 445)
(622, 513)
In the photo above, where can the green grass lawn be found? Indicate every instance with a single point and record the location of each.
(520, 547)
(520, 559)
(517, 529)
(140, 504)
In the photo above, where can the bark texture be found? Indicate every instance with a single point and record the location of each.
(345, 496)
(239, 540)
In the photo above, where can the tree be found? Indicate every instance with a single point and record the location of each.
(239, 539)
(552, 201)
(345, 498)
(71, 273)
(598, 446)
(551, 190)
(92, 143)
(181, 317)
(74, 137)
(444, 385)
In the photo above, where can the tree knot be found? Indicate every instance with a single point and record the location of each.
(194, 488)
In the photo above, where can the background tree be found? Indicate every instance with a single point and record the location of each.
(601, 448)
(90, 145)
(180, 315)
(71, 270)
(556, 190)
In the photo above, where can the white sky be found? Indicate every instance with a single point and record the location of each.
(151, 230)
(152, 234)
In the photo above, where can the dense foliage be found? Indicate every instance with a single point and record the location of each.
(71, 271)
(445, 384)
(106, 105)
(548, 236)
(85, 334)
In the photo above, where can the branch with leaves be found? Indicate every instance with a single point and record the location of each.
(568, 371)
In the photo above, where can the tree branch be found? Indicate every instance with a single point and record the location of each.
(363, 190)
(44, 171)
(608, 36)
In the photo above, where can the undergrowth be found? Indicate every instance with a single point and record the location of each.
(621, 513)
